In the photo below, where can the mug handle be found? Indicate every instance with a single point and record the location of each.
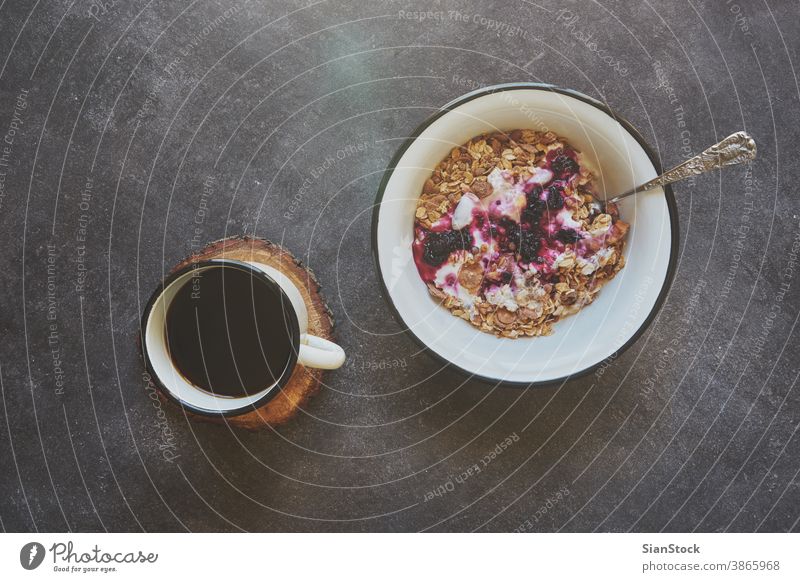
(316, 352)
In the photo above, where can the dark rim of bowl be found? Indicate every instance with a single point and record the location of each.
(293, 322)
(671, 206)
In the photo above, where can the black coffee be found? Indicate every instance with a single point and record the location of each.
(228, 332)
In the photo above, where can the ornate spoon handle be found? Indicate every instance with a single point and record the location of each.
(734, 149)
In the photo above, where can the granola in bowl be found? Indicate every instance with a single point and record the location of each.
(510, 236)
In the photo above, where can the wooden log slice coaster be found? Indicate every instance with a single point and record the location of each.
(304, 382)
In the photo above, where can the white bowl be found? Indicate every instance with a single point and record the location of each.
(623, 308)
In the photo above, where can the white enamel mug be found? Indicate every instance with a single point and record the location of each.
(308, 350)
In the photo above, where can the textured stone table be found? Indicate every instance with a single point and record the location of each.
(137, 131)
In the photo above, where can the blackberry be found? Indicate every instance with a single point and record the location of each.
(567, 235)
(529, 243)
(533, 193)
(439, 245)
(554, 199)
(534, 207)
(531, 189)
(531, 215)
(563, 164)
(507, 226)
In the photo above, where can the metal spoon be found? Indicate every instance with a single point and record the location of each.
(734, 149)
